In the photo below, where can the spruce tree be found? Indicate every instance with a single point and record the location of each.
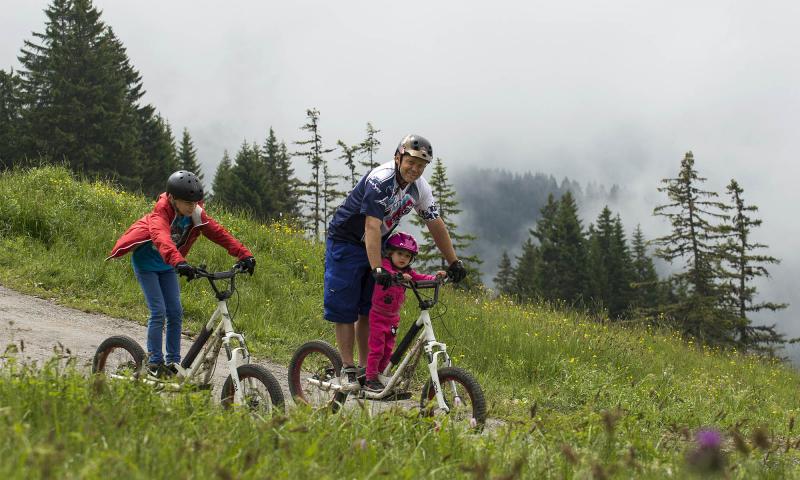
(546, 234)
(348, 156)
(370, 147)
(159, 157)
(742, 266)
(504, 279)
(429, 256)
(644, 281)
(187, 155)
(330, 195)
(281, 179)
(315, 187)
(692, 212)
(224, 181)
(571, 280)
(524, 284)
(10, 119)
(81, 95)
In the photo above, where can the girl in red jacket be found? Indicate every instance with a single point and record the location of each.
(384, 316)
(160, 241)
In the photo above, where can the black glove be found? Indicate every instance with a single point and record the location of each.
(247, 264)
(456, 271)
(382, 277)
(186, 270)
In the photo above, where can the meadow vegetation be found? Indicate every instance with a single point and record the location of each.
(576, 397)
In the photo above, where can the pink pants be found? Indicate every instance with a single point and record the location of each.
(382, 334)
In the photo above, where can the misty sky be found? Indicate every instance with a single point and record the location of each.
(612, 92)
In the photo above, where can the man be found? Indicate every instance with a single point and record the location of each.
(355, 238)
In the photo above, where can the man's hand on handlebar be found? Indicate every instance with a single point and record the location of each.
(456, 271)
(382, 277)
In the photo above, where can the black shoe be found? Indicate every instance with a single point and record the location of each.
(170, 370)
(154, 369)
(374, 386)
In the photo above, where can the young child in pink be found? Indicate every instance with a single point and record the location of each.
(384, 316)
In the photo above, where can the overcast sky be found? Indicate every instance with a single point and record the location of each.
(612, 92)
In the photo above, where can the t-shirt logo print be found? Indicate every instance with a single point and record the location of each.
(398, 209)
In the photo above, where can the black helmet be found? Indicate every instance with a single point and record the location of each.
(185, 185)
(416, 146)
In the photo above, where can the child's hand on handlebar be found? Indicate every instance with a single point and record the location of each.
(441, 274)
(186, 270)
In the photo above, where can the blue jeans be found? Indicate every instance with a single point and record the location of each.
(163, 296)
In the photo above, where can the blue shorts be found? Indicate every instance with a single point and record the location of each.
(348, 282)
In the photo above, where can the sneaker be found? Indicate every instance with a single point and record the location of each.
(169, 369)
(374, 386)
(362, 371)
(154, 369)
(349, 378)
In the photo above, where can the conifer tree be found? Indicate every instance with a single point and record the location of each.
(348, 156)
(224, 181)
(504, 279)
(370, 147)
(525, 283)
(159, 157)
(187, 155)
(280, 176)
(691, 211)
(548, 255)
(10, 127)
(742, 266)
(315, 156)
(644, 280)
(81, 95)
(330, 195)
(429, 256)
(250, 178)
(571, 280)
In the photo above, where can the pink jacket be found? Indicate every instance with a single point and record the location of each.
(155, 226)
(387, 302)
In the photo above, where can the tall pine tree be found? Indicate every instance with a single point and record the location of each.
(315, 187)
(694, 214)
(280, 174)
(10, 119)
(742, 266)
(187, 155)
(370, 147)
(504, 279)
(81, 95)
(348, 155)
(159, 158)
(645, 279)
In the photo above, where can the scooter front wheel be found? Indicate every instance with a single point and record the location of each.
(119, 356)
(314, 373)
(261, 392)
(462, 395)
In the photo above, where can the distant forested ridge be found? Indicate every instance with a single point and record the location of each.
(499, 207)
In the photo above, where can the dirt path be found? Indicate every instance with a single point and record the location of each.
(40, 328)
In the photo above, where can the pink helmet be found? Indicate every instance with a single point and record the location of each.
(403, 241)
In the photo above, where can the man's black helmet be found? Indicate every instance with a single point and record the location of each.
(185, 186)
(416, 146)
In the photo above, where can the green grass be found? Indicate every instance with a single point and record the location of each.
(574, 374)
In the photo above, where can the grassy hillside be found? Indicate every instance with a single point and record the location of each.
(603, 398)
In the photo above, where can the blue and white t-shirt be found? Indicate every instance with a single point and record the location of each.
(378, 195)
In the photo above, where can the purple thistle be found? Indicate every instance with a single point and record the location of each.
(707, 456)
(708, 440)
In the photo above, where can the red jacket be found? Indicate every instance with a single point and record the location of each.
(155, 226)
